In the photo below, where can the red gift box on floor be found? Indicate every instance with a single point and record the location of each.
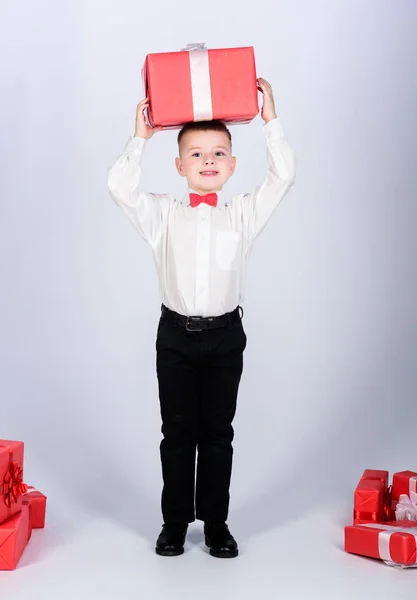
(37, 501)
(403, 483)
(373, 498)
(197, 84)
(369, 501)
(11, 478)
(395, 541)
(14, 535)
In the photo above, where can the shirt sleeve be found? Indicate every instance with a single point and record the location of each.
(258, 206)
(145, 210)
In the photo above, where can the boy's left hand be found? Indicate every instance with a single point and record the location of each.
(268, 108)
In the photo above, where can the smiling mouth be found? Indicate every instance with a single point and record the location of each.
(209, 173)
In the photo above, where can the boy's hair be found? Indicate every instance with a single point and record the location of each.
(214, 125)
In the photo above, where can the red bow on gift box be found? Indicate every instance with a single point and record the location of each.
(196, 199)
(13, 485)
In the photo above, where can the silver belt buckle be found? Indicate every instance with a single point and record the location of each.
(187, 323)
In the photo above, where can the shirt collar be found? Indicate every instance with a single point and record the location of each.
(221, 198)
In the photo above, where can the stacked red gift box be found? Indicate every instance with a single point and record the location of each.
(22, 508)
(385, 518)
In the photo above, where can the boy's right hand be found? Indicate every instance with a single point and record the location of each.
(142, 129)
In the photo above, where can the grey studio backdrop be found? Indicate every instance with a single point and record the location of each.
(330, 367)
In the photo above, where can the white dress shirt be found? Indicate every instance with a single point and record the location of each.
(201, 253)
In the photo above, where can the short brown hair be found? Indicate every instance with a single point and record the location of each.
(214, 125)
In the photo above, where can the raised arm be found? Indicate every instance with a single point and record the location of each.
(145, 210)
(258, 206)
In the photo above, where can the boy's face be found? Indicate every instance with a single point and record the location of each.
(205, 160)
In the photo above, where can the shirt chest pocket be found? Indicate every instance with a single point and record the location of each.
(228, 249)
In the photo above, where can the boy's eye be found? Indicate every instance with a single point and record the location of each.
(218, 153)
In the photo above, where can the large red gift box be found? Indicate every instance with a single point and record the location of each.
(198, 84)
(394, 541)
(37, 501)
(11, 478)
(14, 535)
(403, 482)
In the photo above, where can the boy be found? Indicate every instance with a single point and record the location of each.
(200, 246)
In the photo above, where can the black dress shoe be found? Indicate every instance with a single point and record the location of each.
(220, 541)
(171, 539)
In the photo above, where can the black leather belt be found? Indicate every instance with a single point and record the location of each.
(201, 323)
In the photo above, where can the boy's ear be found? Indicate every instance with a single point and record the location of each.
(233, 164)
(179, 165)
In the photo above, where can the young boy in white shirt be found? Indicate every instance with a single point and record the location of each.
(200, 246)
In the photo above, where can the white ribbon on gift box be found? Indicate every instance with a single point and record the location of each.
(196, 46)
(406, 509)
(384, 539)
(413, 484)
(200, 81)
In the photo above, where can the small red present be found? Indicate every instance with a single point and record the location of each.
(198, 84)
(378, 475)
(393, 542)
(11, 478)
(404, 482)
(371, 491)
(369, 501)
(14, 536)
(37, 502)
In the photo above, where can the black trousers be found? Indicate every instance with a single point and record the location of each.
(198, 379)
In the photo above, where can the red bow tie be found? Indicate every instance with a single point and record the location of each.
(196, 199)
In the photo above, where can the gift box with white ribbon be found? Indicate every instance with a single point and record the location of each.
(403, 482)
(393, 542)
(201, 84)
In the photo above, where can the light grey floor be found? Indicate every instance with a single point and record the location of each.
(89, 557)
